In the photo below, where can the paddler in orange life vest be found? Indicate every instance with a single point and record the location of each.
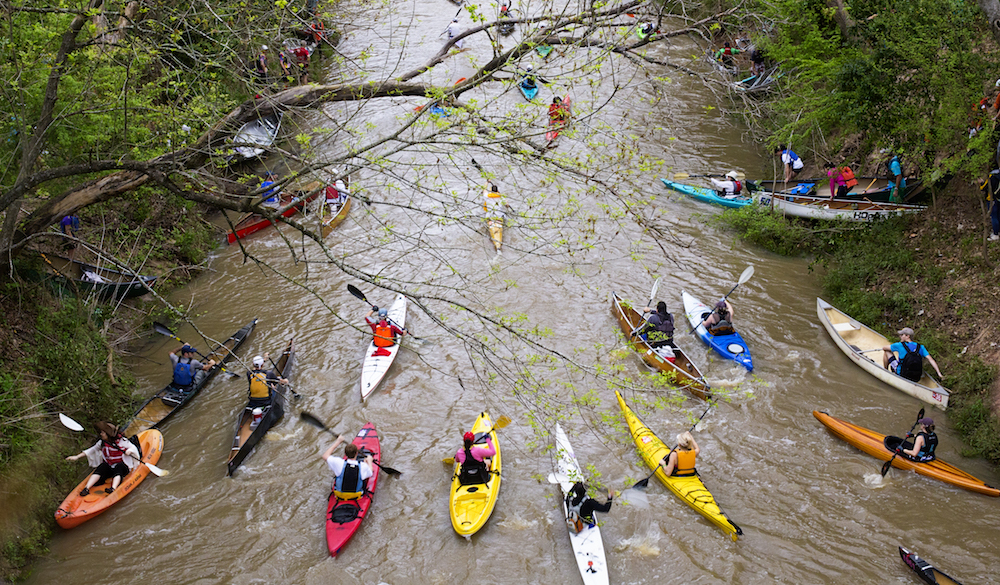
(385, 331)
(680, 461)
(494, 204)
(114, 456)
(730, 188)
(349, 474)
(261, 383)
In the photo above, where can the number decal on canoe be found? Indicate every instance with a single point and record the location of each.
(646, 439)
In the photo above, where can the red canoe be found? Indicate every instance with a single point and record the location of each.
(254, 222)
(343, 517)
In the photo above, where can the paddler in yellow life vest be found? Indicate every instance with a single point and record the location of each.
(385, 331)
(261, 383)
(680, 461)
(494, 204)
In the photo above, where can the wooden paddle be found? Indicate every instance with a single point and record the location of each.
(164, 330)
(642, 483)
(743, 278)
(361, 296)
(501, 423)
(312, 420)
(739, 176)
(652, 297)
(888, 464)
(75, 426)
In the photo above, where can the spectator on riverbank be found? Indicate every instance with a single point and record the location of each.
(897, 182)
(992, 189)
(793, 164)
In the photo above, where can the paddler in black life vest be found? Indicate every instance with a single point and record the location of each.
(578, 502)
(187, 370)
(680, 462)
(720, 321)
(475, 466)
(924, 443)
(385, 331)
(349, 474)
(659, 328)
(261, 383)
(113, 456)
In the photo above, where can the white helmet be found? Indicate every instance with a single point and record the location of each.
(531, 67)
(263, 47)
(731, 174)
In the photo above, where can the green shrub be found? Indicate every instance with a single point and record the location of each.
(978, 426)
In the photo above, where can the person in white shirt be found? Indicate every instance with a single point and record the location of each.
(349, 474)
(730, 188)
(453, 30)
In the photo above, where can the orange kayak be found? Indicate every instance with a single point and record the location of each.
(77, 509)
(873, 443)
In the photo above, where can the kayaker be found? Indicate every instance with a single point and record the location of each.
(720, 321)
(260, 65)
(725, 54)
(659, 328)
(528, 81)
(730, 188)
(793, 164)
(897, 181)
(286, 67)
(475, 466)
(336, 194)
(113, 456)
(924, 443)
(272, 196)
(385, 332)
(349, 474)
(187, 370)
(583, 506)
(261, 383)
(494, 203)
(908, 359)
(453, 30)
(680, 462)
(557, 111)
(647, 29)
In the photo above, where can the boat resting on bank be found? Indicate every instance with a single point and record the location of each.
(105, 283)
(77, 509)
(690, 489)
(874, 189)
(470, 505)
(374, 367)
(926, 571)
(682, 370)
(247, 436)
(864, 346)
(344, 517)
(289, 206)
(813, 207)
(167, 401)
(255, 137)
(707, 195)
(588, 547)
(874, 444)
(730, 346)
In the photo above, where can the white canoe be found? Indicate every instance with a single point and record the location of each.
(864, 346)
(810, 207)
(587, 544)
(256, 136)
(374, 368)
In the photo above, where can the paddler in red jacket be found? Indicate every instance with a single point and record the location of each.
(384, 330)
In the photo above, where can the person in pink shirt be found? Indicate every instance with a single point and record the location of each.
(838, 184)
(475, 468)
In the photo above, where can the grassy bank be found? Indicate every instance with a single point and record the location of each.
(925, 272)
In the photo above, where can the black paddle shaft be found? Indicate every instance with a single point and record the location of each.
(888, 464)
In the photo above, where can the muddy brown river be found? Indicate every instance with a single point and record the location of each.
(813, 509)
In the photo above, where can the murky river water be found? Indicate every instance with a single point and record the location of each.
(811, 507)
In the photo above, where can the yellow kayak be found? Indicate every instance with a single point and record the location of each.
(690, 489)
(470, 505)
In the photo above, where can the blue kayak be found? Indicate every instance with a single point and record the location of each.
(529, 93)
(731, 347)
(706, 195)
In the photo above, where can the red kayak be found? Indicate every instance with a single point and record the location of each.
(343, 517)
(557, 124)
(289, 207)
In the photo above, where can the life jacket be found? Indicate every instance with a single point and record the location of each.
(383, 335)
(473, 470)
(349, 479)
(911, 365)
(301, 55)
(685, 463)
(258, 385)
(183, 373)
(723, 327)
(737, 187)
(662, 327)
(112, 453)
(848, 176)
(926, 452)
(491, 195)
(574, 521)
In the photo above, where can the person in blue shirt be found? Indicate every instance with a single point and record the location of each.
(187, 370)
(272, 197)
(894, 355)
(897, 181)
(69, 225)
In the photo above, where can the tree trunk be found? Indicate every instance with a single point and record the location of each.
(844, 20)
(992, 10)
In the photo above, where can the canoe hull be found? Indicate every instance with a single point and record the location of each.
(529, 94)
(862, 345)
(706, 195)
(689, 489)
(873, 444)
(374, 368)
(588, 547)
(683, 371)
(731, 347)
(821, 208)
(344, 517)
(256, 137)
(470, 506)
(116, 286)
(253, 223)
(77, 509)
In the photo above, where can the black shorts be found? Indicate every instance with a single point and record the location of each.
(842, 191)
(107, 472)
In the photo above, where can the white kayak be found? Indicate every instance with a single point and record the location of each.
(374, 367)
(587, 544)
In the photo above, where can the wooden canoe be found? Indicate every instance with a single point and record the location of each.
(254, 222)
(343, 517)
(246, 438)
(77, 509)
(471, 505)
(864, 346)
(105, 283)
(375, 367)
(926, 571)
(815, 207)
(873, 444)
(167, 401)
(682, 372)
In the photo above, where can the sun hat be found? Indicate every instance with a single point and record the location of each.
(731, 174)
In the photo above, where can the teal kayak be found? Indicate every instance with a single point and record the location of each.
(528, 92)
(706, 195)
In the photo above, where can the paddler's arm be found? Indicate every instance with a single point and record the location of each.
(333, 447)
(917, 444)
(934, 363)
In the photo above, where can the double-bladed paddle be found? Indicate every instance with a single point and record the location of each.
(312, 420)
(75, 426)
(164, 330)
(888, 464)
(739, 176)
(642, 483)
(743, 278)
(361, 296)
(499, 424)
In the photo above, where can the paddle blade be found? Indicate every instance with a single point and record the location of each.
(312, 420)
(70, 423)
(553, 478)
(502, 422)
(641, 484)
(158, 472)
(448, 461)
(652, 292)
(681, 176)
(357, 292)
(389, 470)
(164, 330)
(886, 466)
(746, 274)
(920, 414)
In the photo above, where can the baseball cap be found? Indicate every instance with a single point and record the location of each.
(258, 360)
(905, 331)
(926, 421)
(188, 349)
